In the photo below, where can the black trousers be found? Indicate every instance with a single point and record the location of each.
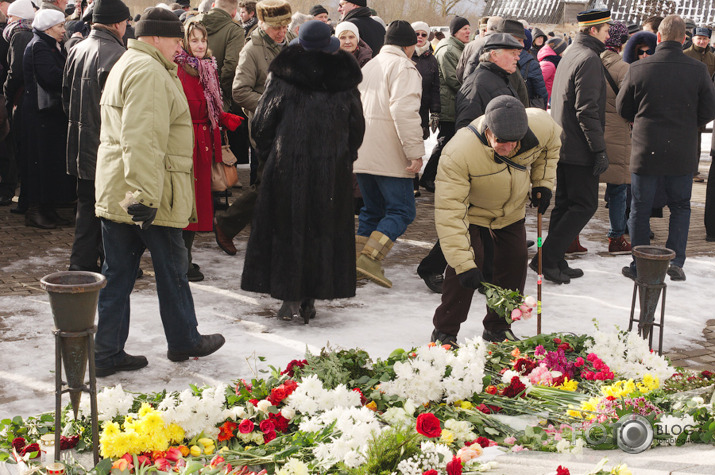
(446, 132)
(434, 263)
(575, 203)
(509, 272)
(87, 251)
(710, 203)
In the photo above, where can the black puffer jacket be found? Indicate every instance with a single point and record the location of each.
(86, 71)
(371, 32)
(666, 111)
(308, 127)
(484, 84)
(427, 65)
(578, 101)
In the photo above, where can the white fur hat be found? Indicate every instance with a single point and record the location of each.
(45, 19)
(420, 25)
(22, 9)
(347, 26)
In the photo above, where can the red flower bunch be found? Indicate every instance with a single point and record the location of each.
(454, 467)
(280, 422)
(246, 426)
(525, 365)
(227, 430)
(562, 470)
(23, 448)
(279, 393)
(428, 425)
(292, 366)
(707, 374)
(431, 472)
(268, 429)
(488, 409)
(597, 370)
(67, 443)
(515, 387)
(483, 442)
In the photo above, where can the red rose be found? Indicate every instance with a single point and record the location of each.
(562, 470)
(268, 436)
(163, 464)
(267, 426)
(557, 341)
(28, 449)
(246, 426)
(289, 386)
(19, 443)
(279, 421)
(277, 395)
(253, 401)
(143, 460)
(431, 472)
(491, 389)
(455, 466)
(428, 425)
(292, 366)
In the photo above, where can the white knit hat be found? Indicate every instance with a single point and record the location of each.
(45, 19)
(420, 26)
(22, 9)
(347, 26)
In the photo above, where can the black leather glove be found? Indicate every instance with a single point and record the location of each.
(471, 279)
(600, 163)
(140, 212)
(543, 202)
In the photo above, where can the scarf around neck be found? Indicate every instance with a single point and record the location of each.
(208, 77)
(18, 25)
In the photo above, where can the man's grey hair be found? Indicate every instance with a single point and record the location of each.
(297, 20)
(493, 23)
(486, 56)
(672, 28)
(228, 6)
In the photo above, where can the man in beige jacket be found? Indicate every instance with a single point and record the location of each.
(392, 149)
(484, 178)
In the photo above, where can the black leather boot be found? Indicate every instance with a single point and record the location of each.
(35, 219)
(307, 310)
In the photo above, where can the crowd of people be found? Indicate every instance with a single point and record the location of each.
(131, 124)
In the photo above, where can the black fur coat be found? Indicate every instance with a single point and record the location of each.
(308, 127)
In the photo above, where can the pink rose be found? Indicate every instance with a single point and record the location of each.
(516, 314)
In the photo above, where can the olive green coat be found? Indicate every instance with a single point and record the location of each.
(226, 40)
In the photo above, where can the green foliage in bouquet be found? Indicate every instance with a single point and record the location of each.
(502, 301)
(387, 450)
(335, 367)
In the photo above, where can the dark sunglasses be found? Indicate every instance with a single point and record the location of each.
(424, 35)
(642, 52)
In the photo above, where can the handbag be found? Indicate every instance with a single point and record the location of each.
(224, 174)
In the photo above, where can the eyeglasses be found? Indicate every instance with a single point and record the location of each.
(422, 35)
(642, 52)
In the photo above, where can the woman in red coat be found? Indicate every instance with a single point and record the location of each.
(199, 76)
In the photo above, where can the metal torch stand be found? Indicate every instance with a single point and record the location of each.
(92, 389)
(645, 329)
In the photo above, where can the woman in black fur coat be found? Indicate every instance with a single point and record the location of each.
(308, 127)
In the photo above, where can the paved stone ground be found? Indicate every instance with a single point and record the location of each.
(27, 254)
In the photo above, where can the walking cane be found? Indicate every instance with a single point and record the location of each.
(539, 277)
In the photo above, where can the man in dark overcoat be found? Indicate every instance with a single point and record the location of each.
(666, 111)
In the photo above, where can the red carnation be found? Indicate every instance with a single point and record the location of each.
(566, 347)
(562, 470)
(514, 388)
(28, 449)
(292, 366)
(524, 365)
(280, 422)
(67, 443)
(428, 425)
(707, 374)
(289, 386)
(246, 426)
(431, 472)
(268, 436)
(483, 442)
(19, 443)
(455, 466)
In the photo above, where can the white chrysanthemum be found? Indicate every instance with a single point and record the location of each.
(293, 467)
(111, 402)
(628, 356)
(197, 414)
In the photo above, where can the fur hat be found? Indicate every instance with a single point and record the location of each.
(275, 13)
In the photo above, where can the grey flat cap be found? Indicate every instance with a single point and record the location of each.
(506, 118)
(501, 41)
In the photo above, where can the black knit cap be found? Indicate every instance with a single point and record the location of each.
(400, 33)
(359, 3)
(457, 24)
(159, 22)
(108, 12)
(317, 10)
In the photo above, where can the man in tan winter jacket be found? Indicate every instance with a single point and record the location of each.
(484, 177)
(391, 151)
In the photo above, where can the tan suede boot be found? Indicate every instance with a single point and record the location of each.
(360, 242)
(368, 264)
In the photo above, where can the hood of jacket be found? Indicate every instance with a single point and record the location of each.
(640, 38)
(316, 70)
(545, 52)
(216, 19)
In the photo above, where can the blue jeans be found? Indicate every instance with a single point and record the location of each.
(678, 190)
(124, 245)
(389, 205)
(616, 209)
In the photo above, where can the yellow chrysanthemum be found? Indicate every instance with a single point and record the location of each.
(144, 410)
(447, 437)
(568, 385)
